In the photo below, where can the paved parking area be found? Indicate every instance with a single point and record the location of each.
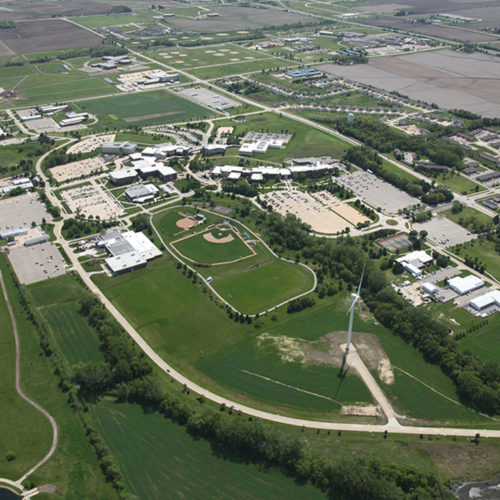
(376, 192)
(444, 231)
(21, 211)
(37, 263)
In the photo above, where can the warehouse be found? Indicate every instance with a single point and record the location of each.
(486, 300)
(418, 259)
(128, 250)
(430, 288)
(465, 285)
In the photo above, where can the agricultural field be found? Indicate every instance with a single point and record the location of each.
(145, 108)
(101, 21)
(159, 456)
(306, 141)
(254, 282)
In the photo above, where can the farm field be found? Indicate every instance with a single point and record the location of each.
(306, 141)
(253, 284)
(485, 251)
(159, 456)
(100, 21)
(149, 108)
(73, 466)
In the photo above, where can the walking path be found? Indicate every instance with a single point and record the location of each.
(46, 414)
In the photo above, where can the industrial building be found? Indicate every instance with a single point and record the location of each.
(12, 233)
(465, 285)
(140, 193)
(36, 241)
(115, 148)
(128, 251)
(430, 288)
(304, 73)
(159, 77)
(413, 262)
(208, 98)
(486, 300)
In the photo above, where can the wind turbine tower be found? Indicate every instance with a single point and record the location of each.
(355, 298)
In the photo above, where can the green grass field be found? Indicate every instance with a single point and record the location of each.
(485, 251)
(159, 106)
(306, 140)
(459, 184)
(73, 468)
(160, 460)
(485, 342)
(237, 68)
(252, 285)
(470, 218)
(198, 249)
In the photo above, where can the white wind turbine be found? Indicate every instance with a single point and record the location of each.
(355, 298)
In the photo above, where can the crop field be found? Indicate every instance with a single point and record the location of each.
(100, 21)
(198, 249)
(48, 34)
(306, 141)
(186, 58)
(252, 284)
(158, 456)
(144, 108)
(30, 440)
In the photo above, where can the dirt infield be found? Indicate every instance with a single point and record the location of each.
(186, 223)
(212, 239)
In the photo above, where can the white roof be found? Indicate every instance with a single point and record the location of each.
(430, 287)
(142, 245)
(125, 261)
(234, 175)
(123, 173)
(486, 300)
(246, 148)
(149, 151)
(418, 255)
(412, 269)
(166, 170)
(135, 156)
(465, 285)
(257, 177)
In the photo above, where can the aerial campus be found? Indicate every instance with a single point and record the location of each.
(249, 249)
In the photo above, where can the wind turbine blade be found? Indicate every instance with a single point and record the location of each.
(361, 279)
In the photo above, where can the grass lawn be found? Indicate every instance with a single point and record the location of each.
(198, 249)
(12, 154)
(485, 342)
(159, 106)
(470, 218)
(73, 468)
(160, 460)
(485, 251)
(459, 183)
(23, 430)
(306, 140)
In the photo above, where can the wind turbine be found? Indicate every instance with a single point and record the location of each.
(355, 298)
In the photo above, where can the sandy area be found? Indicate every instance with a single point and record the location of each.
(186, 223)
(361, 411)
(90, 143)
(212, 239)
(77, 169)
(341, 208)
(308, 210)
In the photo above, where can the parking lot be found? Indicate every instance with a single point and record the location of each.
(376, 192)
(444, 231)
(37, 262)
(90, 143)
(21, 211)
(91, 199)
(77, 169)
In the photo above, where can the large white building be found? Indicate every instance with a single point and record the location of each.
(465, 285)
(486, 300)
(128, 251)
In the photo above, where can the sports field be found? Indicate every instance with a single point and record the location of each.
(160, 460)
(160, 106)
(224, 246)
(253, 284)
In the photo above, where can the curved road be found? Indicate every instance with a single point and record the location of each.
(46, 414)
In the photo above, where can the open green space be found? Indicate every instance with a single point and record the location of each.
(159, 106)
(159, 458)
(485, 251)
(24, 431)
(459, 183)
(306, 140)
(485, 341)
(17, 159)
(73, 468)
(470, 218)
(253, 284)
(198, 249)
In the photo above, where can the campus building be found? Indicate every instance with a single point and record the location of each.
(140, 193)
(116, 148)
(487, 301)
(128, 251)
(413, 262)
(465, 285)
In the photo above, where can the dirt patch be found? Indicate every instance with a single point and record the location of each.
(212, 239)
(327, 351)
(148, 117)
(361, 411)
(186, 223)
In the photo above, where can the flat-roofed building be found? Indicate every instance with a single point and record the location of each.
(141, 193)
(123, 176)
(465, 285)
(486, 300)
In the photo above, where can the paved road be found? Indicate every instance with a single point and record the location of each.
(46, 414)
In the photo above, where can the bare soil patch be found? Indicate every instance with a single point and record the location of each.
(186, 223)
